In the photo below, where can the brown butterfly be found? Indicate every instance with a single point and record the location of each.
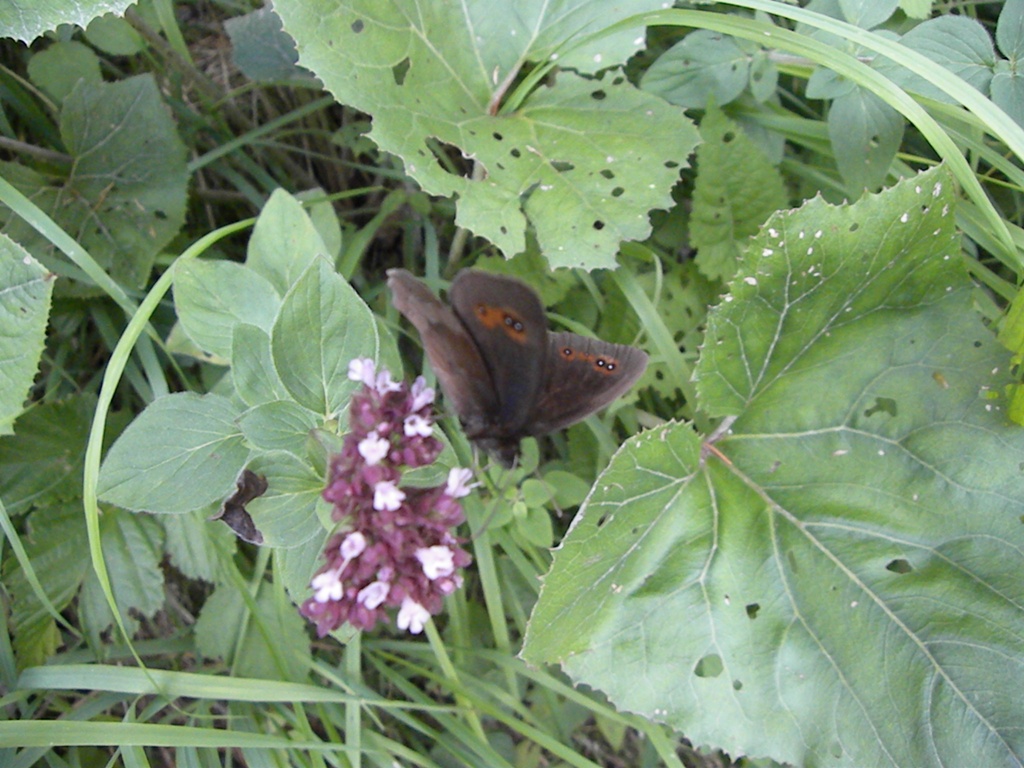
(505, 374)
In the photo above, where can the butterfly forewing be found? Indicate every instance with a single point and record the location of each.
(453, 353)
(508, 324)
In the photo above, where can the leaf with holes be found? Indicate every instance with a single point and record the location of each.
(834, 579)
(580, 161)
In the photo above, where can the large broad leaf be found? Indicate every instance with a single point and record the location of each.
(836, 578)
(577, 160)
(25, 291)
(122, 195)
(26, 20)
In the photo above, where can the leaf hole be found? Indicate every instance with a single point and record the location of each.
(854, 227)
(729, 137)
(357, 26)
(709, 666)
(899, 565)
(671, 164)
(516, 153)
(450, 158)
(598, 225)
(608, 174)
(400, 70)
(618, 192)
(882, 405)
(737, 685)
(752, 610)
(561, 166)
(598, 95)
(497, 136)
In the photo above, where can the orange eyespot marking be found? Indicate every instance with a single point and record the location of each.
(600, 364)
(504, 319)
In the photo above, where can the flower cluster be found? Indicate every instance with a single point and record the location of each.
(398, 549)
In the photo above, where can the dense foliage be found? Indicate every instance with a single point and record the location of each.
(798, 539)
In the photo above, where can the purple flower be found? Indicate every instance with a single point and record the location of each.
(399, 550)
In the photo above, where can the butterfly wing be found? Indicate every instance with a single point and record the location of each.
(508, 324)
(582, 376)
(453, 353)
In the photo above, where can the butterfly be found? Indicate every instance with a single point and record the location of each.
(505, 374)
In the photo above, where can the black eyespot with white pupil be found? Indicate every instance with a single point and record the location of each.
(514, 324)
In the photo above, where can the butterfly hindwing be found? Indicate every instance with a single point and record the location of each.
(582, 375)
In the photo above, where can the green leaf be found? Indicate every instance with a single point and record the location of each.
(1010, 30)
(252, 367)
(279, 426)
(182, 453)
(764, 76)
(25, 292)
(736, 189)
(195, 543)
(213, 297)
(261, 49)
(704, 66)
(42, 464)
(25, 20)
(54, 548)
(123, 195)
(115, 36)
(957, 43)
(433, 80)
(1008, 90)
(288, 514)
(916, 9)
(868, 14)
(276, 646)
(296, 565)
(284, 242)
(322, 325)
(219, 622)
(835, 579)
(58, 68)
(132, 549)
(865, 133)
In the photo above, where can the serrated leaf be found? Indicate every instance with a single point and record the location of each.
(195, 544)
(132, 549)
(1010, 30)
(25, 20)
(25, 292)
(123, 196)
(835, 580)
(284, 242)
(279, 426)
(865, 133)
(181, 453)
(704, 66)
(252, 367)
(323, 325)
(115, 36)
(288, 513)
(957, 43)
(213, 297)
(261, 49)
(42, 464)
(736, 189)
(432, 75)
(60, 562)
(276, 625)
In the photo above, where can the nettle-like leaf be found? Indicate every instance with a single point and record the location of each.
(25, 20)
(26, 288)
(736, 189)
(835, 578)
(580, 160)
(123, 194)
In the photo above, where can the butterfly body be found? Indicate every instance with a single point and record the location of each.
(506, 376)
